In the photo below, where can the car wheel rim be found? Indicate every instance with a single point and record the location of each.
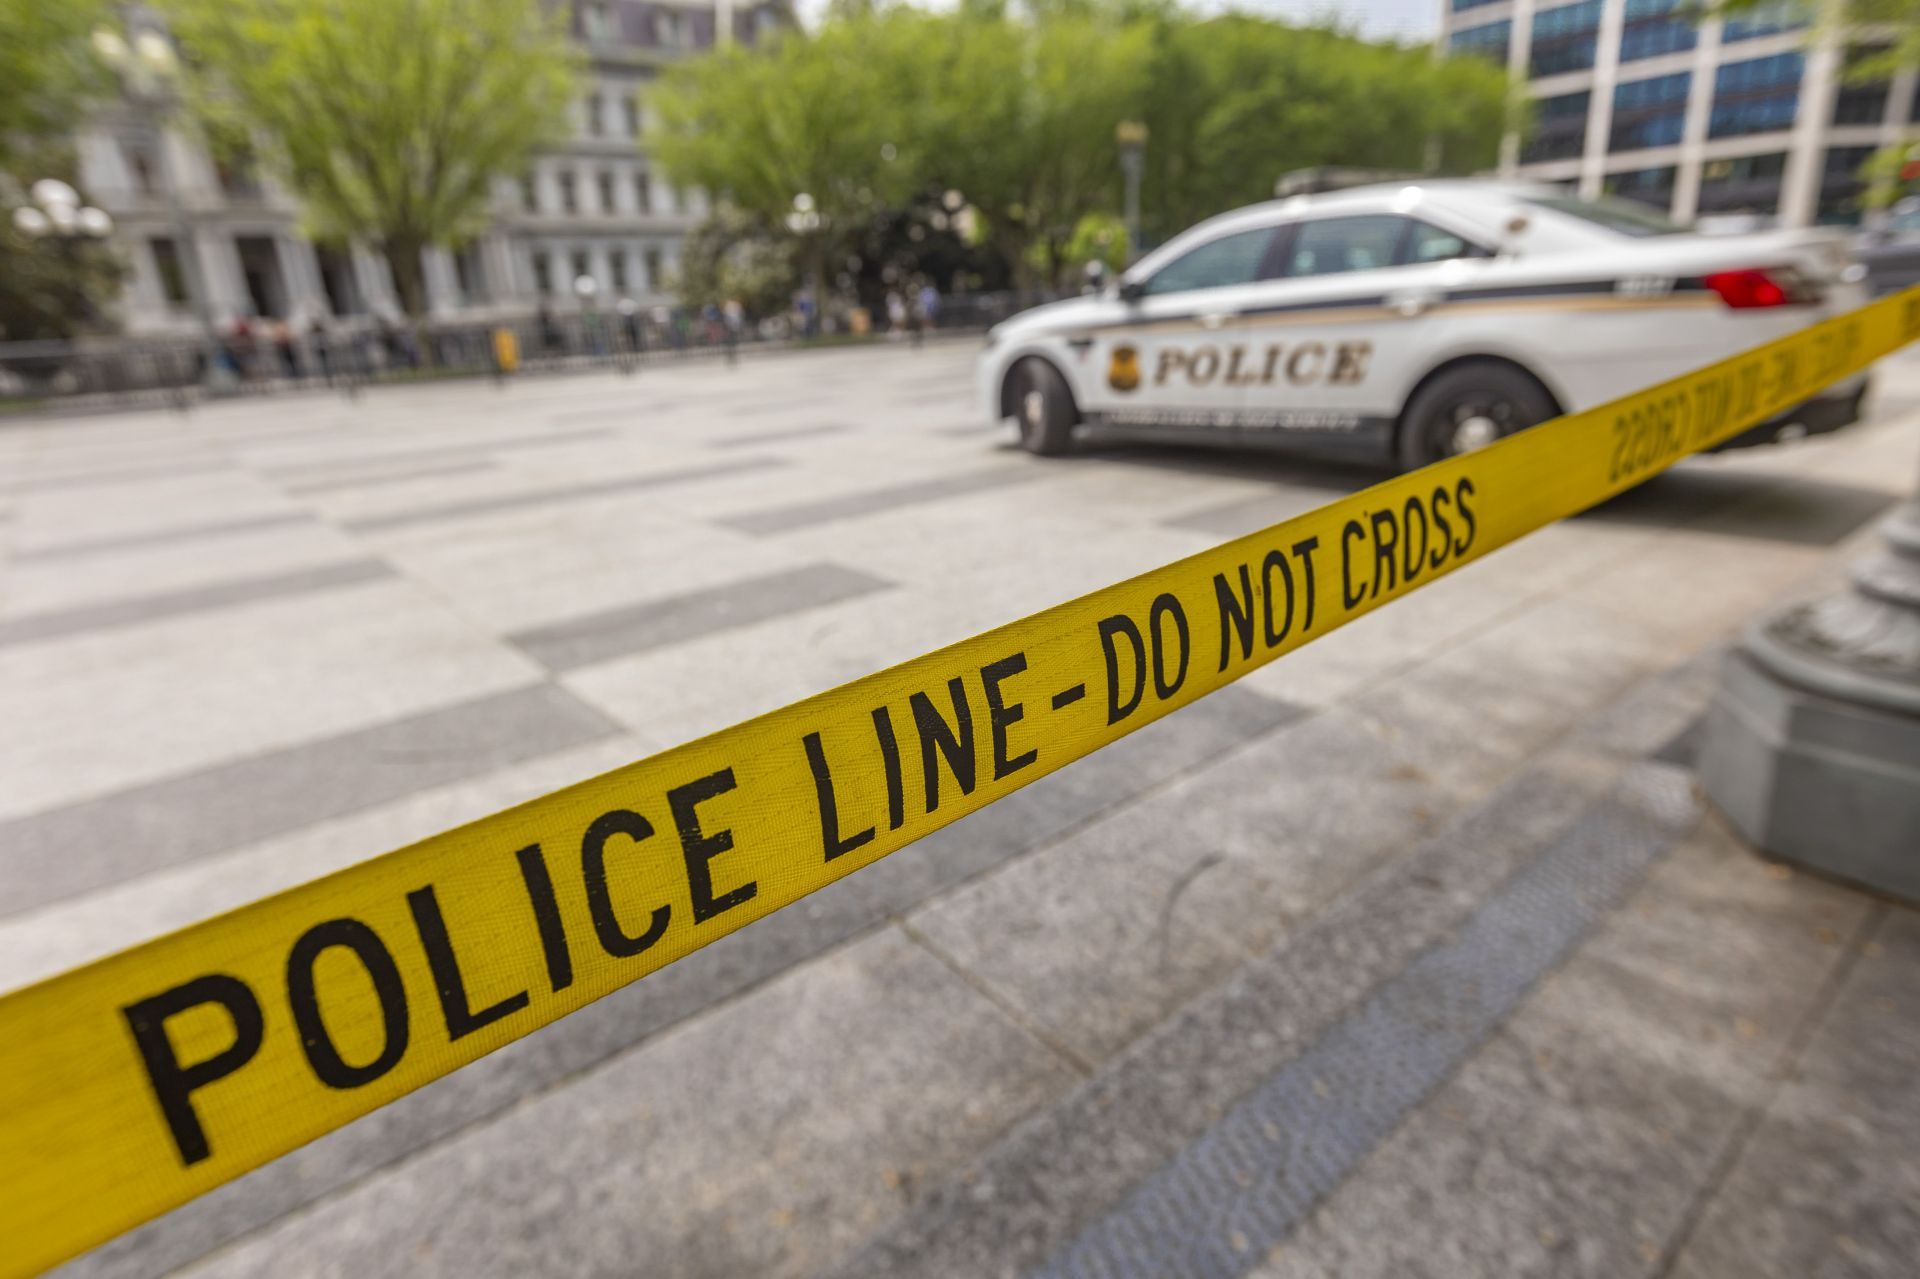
(1033, 411)
(1474, 423)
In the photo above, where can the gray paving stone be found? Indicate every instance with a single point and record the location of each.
(392, 475)
(1064, 1168)
(754, 438)
(57, 624)
(635, 628)
(1250, 514)
(822, 1099)
(557, 493)
(372, 463)
(1577, 1141)
(163, 536)
(785, 519)
(87, 845)
(1829, 1185)
(165, 470)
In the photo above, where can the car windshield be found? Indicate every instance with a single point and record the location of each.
(1623, 217)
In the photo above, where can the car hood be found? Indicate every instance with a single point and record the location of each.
(1053, 316)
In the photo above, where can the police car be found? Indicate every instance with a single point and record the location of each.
(1408, 322)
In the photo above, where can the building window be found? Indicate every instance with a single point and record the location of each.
(469, 275)
(1559, 127)
(1649, 186)
(167, 268)
(542, 273)
(1489, 41)
(631, 105)
(1756, 96)
(1649, 113)
(569, 195)
(1861, 101)
(1764, 21)
(1564, 39)
(617, 263)
(141, 166)
(530, 193)
(669, 29)
(607, 204)
(596, 115)
(595, 23)
(652, 259)
(643, 192)
(1841, 184)
(581, 265)
(1651, 29)
(1458, 5)
(1747, 184)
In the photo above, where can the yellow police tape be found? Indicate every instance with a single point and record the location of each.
(136, 1083)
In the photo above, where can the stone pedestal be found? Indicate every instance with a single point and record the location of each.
(1812, 744)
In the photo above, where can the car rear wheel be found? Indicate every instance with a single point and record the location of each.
(1469, 407)
(1043, 408)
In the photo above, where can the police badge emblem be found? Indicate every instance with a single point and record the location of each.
(1123, 373)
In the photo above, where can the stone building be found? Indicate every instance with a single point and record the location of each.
(592, 205)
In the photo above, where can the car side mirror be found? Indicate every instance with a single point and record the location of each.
(1132, 290)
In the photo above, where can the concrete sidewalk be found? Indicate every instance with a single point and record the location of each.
(1413, 954)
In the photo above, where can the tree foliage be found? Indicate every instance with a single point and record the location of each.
(1017, 110)
(391, 119)
(47, 70)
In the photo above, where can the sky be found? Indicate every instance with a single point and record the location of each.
(1406, 19)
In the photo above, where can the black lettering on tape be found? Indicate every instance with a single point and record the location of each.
(1386, 538)
(448, 982)
(1440, 500)
(546, 917)
(938, 740)
(1275, 562)
(1350, 532)
(1167, 604)
(1236, 612)
(1413, 558)
(890, 756)
(593, 871)
(174, 1083)
(701, 847)
(347, 934)
(1461, 492)
(1303, 551)
(1121, 624)
(1002, 716)
(832, 843)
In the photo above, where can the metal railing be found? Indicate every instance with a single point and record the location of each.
(72, 376)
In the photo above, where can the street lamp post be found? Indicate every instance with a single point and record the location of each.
(1132, 137)
(148, 69)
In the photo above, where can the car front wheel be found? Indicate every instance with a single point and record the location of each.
(1042, 407)
(1469, 407)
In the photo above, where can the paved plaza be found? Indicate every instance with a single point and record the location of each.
(1414, 954)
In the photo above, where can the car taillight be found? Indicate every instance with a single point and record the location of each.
(1753, 288)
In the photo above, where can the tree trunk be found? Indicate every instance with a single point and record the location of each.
(410, 282)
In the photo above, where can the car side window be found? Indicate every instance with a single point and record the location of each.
(1231, 259)
(1333, 245)
(1428, 243)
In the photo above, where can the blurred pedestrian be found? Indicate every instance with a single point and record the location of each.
(734, 317)
(926, 310)
(281, 335)
(549, 334)
(896, 316)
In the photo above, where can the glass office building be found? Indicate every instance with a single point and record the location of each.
(1753, 115)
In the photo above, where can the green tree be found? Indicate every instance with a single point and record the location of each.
(47, 71)
(811, 132)
(391, 119)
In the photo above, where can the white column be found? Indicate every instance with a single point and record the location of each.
(1519, 47)
(1606, 70)
(1800, 185)
(1693, 139)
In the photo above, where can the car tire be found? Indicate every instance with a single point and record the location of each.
(1468, 407)
(1043, 408)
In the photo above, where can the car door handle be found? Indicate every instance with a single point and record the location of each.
(1214, 319)
(1411, 302)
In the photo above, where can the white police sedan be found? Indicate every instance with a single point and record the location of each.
(1408, 322)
